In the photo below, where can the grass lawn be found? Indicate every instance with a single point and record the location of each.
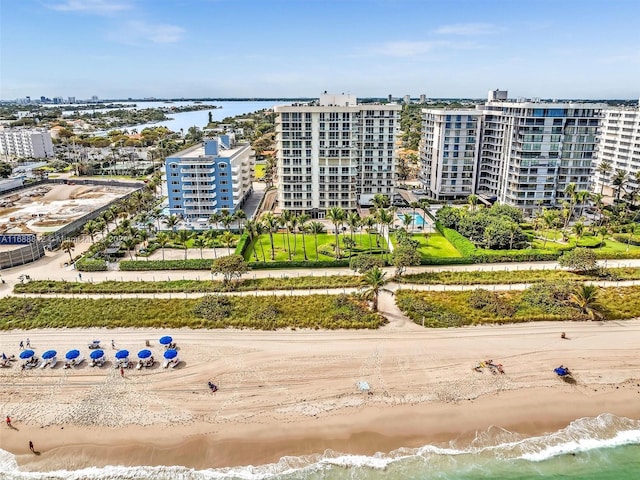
(259, 171)
(432, 245)
(326, 242)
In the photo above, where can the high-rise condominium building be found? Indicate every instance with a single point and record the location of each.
(25, 143)
(335, 152)
(449, 152)
(619, 146)
(529, 151)
(210, 177)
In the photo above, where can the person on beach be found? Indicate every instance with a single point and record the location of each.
(122, 372)
(8, 421)
(28, 343)
(21, 345)
(31, 446)
(113, 344)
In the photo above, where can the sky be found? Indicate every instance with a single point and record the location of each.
(588, 49)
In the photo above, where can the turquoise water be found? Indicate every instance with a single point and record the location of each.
(418, 220)
(602, 448)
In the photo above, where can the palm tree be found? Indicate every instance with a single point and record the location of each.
(228, 239)
(260, 230)
(354, 221)
(291, 227)
(68, 246)
(414, 206)
(604, 169)
(316, 228)
(302, 219)
(585, 298)
(183, 238)
(385, 218)
(250, 228)
(107, 216)
(284, 220)
(162, 239)
(570, 192)
(129, 244)
(473, 201)
(581, 198)
(271, 224)
(214, 219)
(210, 237)
(226, 221)
(171, 221)
(618, 182)
(578, 229)
(407, 220)
(200, 242)
(381, 201)
(337, 216)
(90, 228)
(369, 222)
(550, 219)
(373, 282)
(239, 216)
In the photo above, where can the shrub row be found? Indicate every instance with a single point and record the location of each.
(189, 286)
(189, 264)
(624, 238)
(300, 264)
(91, 265)
(243, 244)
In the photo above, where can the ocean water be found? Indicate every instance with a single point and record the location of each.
(602, 448)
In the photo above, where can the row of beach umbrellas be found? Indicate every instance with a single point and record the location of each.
(97, 354)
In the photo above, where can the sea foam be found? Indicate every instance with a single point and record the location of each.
(585, 434)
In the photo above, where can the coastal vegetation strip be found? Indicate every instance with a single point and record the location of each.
(212, 311)
(549, 301)
(189, 286)
(507, 277)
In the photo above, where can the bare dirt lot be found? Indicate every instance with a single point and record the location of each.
(49, 207)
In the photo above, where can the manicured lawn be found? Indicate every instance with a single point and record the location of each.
(432, 245)
(326, 244)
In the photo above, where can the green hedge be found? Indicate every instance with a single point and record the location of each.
(190, 264)
(243, 244)
(91, 265)
(299, 264)
(624, 238)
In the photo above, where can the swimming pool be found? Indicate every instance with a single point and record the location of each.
(418, 220)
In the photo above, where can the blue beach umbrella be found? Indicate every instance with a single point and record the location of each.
(49, 354)
(96, 354)
(170, 354)
(166, 340)
(25, 354)
(144, 353)
(120, 354)
(72, 354)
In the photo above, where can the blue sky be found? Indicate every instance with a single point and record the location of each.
(223, 48)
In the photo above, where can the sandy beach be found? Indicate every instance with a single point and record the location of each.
(294, 392)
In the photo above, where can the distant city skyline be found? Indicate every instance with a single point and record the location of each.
(588, 49)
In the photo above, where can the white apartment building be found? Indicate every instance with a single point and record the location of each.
(528, 151)
(532, 150)
(619, 144)
(25, 143)
(335, 152)
(210, 177)
(449, 152)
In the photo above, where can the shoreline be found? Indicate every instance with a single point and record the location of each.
(293, 393)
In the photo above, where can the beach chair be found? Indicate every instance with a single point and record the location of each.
(53, 362)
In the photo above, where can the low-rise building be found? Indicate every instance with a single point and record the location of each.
(25, 143)
(207, 178)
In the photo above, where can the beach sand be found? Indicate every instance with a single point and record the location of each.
(294, 392)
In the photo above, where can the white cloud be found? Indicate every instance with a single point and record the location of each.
(97, 7)
(417, 48)
(468, 29)
(140, 32)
